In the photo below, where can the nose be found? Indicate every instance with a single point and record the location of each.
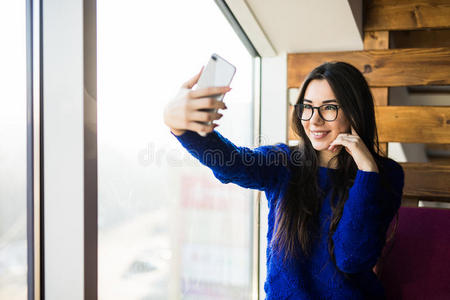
(316, 119)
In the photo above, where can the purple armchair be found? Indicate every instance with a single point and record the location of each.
(418, 264)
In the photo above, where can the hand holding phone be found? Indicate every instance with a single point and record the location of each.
(218, 72)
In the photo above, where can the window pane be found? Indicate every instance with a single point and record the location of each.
(13, 231)
(168, 229)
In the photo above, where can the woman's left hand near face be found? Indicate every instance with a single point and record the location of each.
(357, 149)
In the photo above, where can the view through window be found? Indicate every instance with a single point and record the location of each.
(13, 135)
(168, 229)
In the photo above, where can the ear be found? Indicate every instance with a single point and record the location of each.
(353, 131)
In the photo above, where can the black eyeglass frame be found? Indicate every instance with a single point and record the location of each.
(298, 109)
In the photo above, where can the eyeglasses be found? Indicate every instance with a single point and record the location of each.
(328, 112)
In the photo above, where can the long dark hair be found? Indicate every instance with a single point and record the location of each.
(297, 217)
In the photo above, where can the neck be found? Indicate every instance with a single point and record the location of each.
(324, 158)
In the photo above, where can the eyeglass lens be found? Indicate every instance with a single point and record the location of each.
(327, 112)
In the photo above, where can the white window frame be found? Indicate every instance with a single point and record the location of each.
(69, 149)
(274, 125)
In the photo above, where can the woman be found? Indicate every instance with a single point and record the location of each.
(331, 198)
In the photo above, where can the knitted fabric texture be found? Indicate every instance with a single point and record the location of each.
(357, 244)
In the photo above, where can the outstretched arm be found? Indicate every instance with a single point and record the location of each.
(257, 168)
(186, 115)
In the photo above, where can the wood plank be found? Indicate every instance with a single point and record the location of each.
(427, 181)
(406, 14)
(376, 40)
(413, 124)
(420, 38)
(410, 202)
(380, 96)
(381, 68)
(291, 126)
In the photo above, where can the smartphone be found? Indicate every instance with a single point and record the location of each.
(218, 72)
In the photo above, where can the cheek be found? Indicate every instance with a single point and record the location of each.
(305, 125)
(342, 125)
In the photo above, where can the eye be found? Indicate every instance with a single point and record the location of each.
(306, 106)
(330, 107)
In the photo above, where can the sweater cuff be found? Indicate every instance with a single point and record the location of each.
(190, 137)
(366, 182)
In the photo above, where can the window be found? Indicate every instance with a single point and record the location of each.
(167, 228)
(13, 134)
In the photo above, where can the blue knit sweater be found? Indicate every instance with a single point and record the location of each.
(357, 244)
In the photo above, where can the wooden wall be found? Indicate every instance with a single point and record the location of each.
(421, 33)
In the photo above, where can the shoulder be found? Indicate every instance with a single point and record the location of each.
(391, 168)
(283, 147)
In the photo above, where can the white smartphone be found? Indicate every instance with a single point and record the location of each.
(218, 72)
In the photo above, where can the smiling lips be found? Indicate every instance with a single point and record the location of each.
(319, 134)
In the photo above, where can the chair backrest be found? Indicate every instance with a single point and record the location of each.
(418, 263)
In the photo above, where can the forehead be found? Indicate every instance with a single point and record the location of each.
(319, 90)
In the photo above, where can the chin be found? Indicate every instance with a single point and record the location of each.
(320, 146)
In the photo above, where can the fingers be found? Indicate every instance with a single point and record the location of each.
(345, 140)
(335, 145)
(191, 82)
(204, 116)
(347, 136)
(208, 92)
(203, 103)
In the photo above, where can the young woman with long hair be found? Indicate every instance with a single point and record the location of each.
(331, 197)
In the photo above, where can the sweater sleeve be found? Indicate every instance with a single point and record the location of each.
(357, 239)
(258, 168)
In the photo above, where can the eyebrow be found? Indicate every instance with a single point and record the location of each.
(325, 101)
